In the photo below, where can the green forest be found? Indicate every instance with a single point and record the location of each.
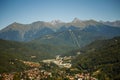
(11, 50)
(101, 58)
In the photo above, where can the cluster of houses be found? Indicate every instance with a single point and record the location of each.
(84, 76)
(6, 76)
(32, 74)
(31, 64)
(35, 73)
(60, 61)
(81, 76)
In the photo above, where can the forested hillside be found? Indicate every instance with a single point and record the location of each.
(11, 51)
(101, 58)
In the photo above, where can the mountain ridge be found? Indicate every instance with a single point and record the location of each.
(27, 32)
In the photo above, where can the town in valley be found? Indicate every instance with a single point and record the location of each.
(59, 68)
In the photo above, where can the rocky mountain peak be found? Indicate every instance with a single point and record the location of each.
(75, 20)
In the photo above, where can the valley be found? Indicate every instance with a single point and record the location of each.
(98, 60)
(77, 50)
(59, 39)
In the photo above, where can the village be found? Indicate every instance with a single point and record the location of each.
(49, 69)
(60, 61)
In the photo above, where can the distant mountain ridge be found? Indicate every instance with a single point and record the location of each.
(115, 23)
(89, 29)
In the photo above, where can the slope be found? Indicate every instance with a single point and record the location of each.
(69, 36)
(101, 58)
(28, 32)
(11, 51)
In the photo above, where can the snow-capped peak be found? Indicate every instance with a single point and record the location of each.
(54, 22)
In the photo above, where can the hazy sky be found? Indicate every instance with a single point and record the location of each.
(28, 11)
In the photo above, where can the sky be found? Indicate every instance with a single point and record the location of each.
(28, 11)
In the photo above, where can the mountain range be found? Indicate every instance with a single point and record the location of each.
(99, 51)
(76, 32)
